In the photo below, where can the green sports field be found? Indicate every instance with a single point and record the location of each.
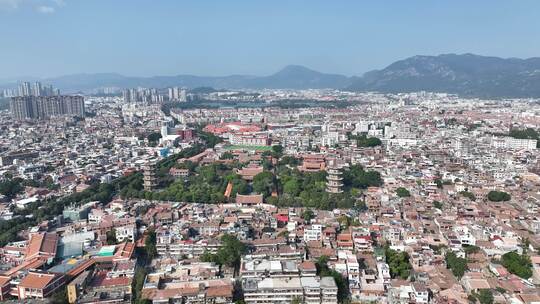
(253, 148)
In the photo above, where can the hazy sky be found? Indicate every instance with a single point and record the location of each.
(142, 38)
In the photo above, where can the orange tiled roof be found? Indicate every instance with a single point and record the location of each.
(249, 199)
(101, 280)
(4, 280)
(219, 291)
(37, 280)
(80, 268)
(125, 251)
(42, 244)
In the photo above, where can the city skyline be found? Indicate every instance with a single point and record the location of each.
(257, 152)
(239, 37)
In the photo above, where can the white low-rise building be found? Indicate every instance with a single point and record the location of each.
(125, 233)
(313, 233)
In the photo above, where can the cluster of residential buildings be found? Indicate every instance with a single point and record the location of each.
(46, 107)
(447, 152)
(73, 153)
(153, 95)
(26, 89)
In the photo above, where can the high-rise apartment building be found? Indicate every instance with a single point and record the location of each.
(25, 89)
(9, 93)
(177, 94)
(45, 107)
(36, 89)
(143, 95)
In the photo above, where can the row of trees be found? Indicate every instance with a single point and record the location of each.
(528, 133)
(150, 244)
(145, 255)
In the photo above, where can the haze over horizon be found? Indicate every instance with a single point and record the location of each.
(48, 38)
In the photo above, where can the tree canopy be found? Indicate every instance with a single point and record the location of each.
(398, 262)
(484, 296)
(517, 264)
(357, 177)
(402, 192)
(229, 253)
(342, 283)
(308, 215)
(364, 141)
(528, 133)
(11, 187)
(277, 151)
(456, 264)
(498, 196)
(263, 183)
(111, 237)
(468, 195)
(150, 244)
(154, 137)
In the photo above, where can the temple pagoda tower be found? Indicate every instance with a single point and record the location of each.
(334, 179)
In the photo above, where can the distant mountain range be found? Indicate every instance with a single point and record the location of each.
(290, 77)
(466, 75)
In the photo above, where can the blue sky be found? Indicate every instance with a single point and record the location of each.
(204, 37)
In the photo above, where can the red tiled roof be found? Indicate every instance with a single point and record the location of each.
(219, 291)
(308, 266)
(4, 280)
(80, 268)
(42, 244)
(344, 237)
(228, 190)
(125, 251)
(38, 280)
(101, 280)
(282, 218)
(250, 171)
(249, 199)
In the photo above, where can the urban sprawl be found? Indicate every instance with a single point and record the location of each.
(144, 195)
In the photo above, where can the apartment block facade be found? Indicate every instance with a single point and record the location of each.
(45, 107)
